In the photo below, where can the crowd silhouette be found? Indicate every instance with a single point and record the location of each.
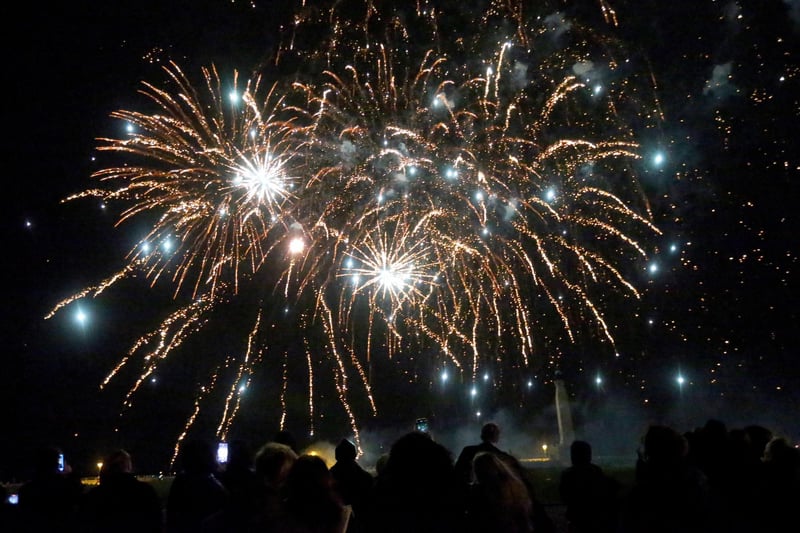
(712, 479)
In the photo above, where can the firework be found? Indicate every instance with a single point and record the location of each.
(415, 182)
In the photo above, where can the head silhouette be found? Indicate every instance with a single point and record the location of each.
(197, 457)
(240, 455)
(346, 451)
(580, 453)
(490, 433)
(665, 446)
(117, 462)
(273, 462)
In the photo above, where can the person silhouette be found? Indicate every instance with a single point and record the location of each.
(274, 461)
(49, 501)
(669, 493)
(286, 437)
(238, 474)
(777, 489)
(352, 483)
(311, 504)
(498, 501)
(590, 495)
(264, 509)
(417, 489)
(120, 503)
(195, 493)
(490, 435)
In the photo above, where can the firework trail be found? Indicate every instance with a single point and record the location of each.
(414, 179)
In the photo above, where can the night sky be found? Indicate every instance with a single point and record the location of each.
(721, 310)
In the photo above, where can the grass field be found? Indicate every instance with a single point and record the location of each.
(545, 480)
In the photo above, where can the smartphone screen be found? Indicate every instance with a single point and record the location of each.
(422, 425)
(13, 499)
(61, 462)
(222, 453)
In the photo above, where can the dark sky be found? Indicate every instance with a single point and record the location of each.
(723, 308)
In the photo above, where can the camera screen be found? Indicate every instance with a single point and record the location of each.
(222, 453)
